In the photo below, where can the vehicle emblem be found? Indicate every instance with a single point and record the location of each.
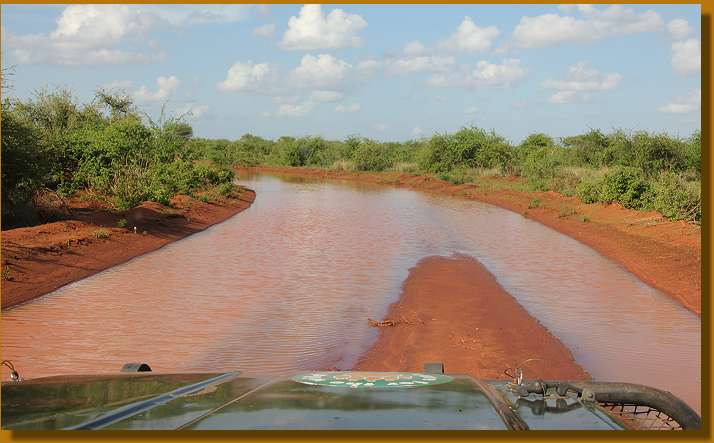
(355, 379)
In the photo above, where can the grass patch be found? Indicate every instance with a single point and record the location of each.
(535, 203)
(101, 234)
(122, 223)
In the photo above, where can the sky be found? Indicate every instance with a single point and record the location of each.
(388, 72)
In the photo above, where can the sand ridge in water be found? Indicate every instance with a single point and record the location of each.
(453, 311)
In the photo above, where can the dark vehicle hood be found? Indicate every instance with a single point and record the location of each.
(318, 400)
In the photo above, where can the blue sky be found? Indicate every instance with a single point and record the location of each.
(391, 72)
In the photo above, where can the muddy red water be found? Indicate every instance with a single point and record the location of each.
(289, 284)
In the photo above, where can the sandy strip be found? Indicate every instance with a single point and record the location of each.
(452, 310)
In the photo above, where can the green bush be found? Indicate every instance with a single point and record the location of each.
(535, 203)
(225, 189)
(469, 147)
(693, 154)
(371, 156)
(458, 176)
(23, 167)
(676, 199)
(626, 186)
(589, 191)
(540, 165)
(655, 153)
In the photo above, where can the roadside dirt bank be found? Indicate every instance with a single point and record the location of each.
(452, 310)
(664, 254)
(39, 259)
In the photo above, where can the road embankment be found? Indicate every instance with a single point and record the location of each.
(664, 254)
(452, 310)
(39, 259)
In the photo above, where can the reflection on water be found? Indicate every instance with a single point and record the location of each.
(289, 284)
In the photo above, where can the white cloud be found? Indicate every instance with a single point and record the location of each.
(355, 107)
(192, 111)
(686, 56)
(247, 77)
(28, 49)
(417, 131)
(564, 96)
(596, 24)
(312, 29)
(166, 85)
(502, 74)
(381, 127)
(470, 38)
(321, 70)
(684, 105)
(326, 96)
(295, 109)
(89, 34)
(414, 48)
(265, 30)
(471, 110)
(679, 29)
(580, 81)
(369, 66)
(88, 25)
(422, 63)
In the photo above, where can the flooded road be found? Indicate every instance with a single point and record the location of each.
(289, 284)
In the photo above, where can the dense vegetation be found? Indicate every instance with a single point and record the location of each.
(639, 170)
(51, 143)
(106, 147)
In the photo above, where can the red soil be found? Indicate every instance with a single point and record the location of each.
(452, 310)
(664, 254)
(39, 259)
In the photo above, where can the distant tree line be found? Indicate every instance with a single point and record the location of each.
(639, 170)
(111, 149)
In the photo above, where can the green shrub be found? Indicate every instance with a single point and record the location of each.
(225, 189)
(540, 164)
(371, 156)
(469, 148)
(589, 149)
(676, 199)
(535, 203)
(23, 167)
(101, 234)
(458, 176)
(626, 186)
(655, 153)
(589, 190)
(122, 223)
(693, 154)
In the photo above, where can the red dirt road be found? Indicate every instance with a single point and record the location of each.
(452, 310)
(664, 254)
(39, 259)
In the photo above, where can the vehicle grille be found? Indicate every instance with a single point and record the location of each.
(641, 417)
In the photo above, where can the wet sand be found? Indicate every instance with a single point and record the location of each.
(39, 259)
(453, 311)
(664, 254)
